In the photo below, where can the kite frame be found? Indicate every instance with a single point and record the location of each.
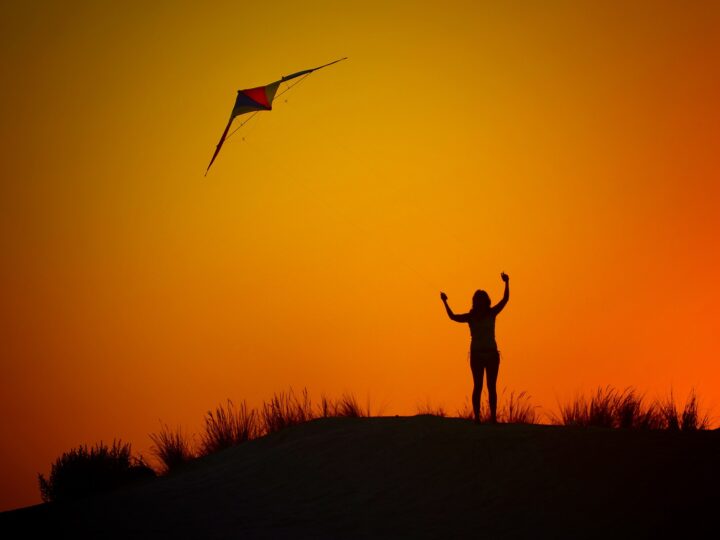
(304, 74)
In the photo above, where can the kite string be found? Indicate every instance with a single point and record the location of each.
(301, 79)
(242, 124)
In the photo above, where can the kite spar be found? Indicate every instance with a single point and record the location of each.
(259, 99)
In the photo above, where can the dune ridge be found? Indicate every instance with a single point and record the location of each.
(420, 477)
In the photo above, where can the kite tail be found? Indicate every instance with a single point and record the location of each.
(219, 145)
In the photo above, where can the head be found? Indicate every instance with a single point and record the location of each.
(480, 301)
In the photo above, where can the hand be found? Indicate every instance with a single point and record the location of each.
(504, 277)
(443, 296)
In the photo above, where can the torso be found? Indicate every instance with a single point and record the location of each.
(482, 332)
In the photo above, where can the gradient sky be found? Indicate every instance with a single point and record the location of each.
(576, 147)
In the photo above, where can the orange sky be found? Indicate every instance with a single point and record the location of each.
(575, 148)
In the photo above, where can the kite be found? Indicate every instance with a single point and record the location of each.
(254, 100)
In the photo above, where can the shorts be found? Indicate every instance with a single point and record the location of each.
(484, 359)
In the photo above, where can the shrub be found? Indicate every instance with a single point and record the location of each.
(172, 448)
(85, 471)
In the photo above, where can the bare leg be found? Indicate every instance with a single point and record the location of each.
(493, 366)
(477, 372)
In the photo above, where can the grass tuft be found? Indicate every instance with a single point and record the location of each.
(348, 406)
(284, 410)
(692, 419)
(85, 471)
(517, 409)
(429, 408)
(611, 408)
(228, 426)
(172, 448)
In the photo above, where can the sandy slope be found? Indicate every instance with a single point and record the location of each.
(423, 477)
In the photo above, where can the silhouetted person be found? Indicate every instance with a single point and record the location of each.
(484, 355)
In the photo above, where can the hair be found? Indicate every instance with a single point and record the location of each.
(480, 302)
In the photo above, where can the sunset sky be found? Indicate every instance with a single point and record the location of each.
(575, 146)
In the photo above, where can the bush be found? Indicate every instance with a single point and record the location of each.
(84, 471)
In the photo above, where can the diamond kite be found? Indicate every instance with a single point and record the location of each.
(254, 100)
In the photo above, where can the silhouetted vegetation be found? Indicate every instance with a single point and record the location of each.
(349, 407)
(690, 419)
(172, 448)
(612, 408)
(432, 410)
(516, 409)
(284, 410)
(228, 426)
(346, 406)
(85, 471)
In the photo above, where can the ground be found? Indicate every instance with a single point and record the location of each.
(415, 477)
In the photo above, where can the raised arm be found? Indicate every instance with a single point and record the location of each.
(497, 308)
(464, 317)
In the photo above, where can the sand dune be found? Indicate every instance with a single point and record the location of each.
(415, 477)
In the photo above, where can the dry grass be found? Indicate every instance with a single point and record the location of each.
(607, 407)
(327, 407)
(466, 413)
(284, 410)
(348, 406)
(690, 419)
(433, 410)
(626, 409)
(228, 426)
(85, 471)
(171, 448)
(515, 409)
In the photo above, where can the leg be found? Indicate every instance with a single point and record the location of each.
(493, 366)
(477, 372)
